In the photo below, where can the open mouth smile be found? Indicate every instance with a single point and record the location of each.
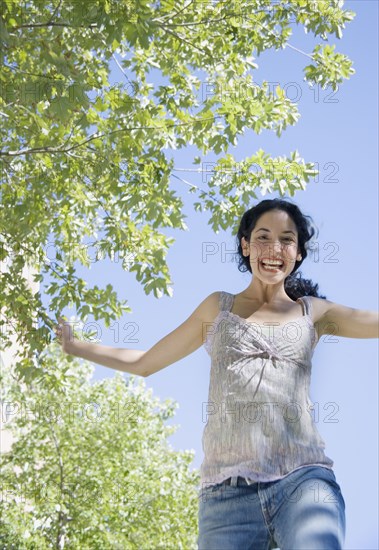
(272, 265)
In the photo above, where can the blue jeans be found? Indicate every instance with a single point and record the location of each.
(305, 510)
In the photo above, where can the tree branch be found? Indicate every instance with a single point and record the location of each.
(182, 39)
(176, 13)
(212, 197)
(62, 518)
(52, 24)
(49, 149)
(55, 11)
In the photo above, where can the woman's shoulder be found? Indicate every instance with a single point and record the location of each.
(211, 305)
(319, 307)
(214, 299)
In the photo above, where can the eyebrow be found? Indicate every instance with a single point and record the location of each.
(264, 229)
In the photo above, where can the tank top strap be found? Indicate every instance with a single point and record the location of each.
(225, 301)
(307, 305)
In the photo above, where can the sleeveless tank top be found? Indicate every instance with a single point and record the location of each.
(259, 421)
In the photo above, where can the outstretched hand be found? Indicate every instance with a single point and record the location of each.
(64, 333)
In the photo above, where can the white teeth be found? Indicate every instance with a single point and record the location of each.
(275, 265)
(270, 268)
(272, 263)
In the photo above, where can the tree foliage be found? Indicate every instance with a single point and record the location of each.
(91, 467)
(87, 155)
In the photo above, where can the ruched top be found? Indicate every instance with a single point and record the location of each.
(259, 420)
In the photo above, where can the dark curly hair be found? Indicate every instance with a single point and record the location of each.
(294, 285)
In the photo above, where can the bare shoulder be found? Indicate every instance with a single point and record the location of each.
(319, 306)
(209, 307)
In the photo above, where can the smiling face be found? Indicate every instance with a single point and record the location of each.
(273, 246)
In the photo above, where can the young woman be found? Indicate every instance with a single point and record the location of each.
(266, 481)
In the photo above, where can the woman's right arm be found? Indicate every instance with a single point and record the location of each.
(179, 343)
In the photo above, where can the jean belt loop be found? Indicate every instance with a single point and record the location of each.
(249, 481)
(233, 481)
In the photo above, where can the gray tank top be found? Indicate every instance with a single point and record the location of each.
(259, 421)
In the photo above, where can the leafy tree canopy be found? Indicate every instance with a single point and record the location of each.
(86, 158)
(90, 465)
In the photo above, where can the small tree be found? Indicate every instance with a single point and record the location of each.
(91, 466)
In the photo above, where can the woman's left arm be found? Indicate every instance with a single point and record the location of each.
(344, 321)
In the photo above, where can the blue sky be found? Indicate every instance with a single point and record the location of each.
(339, 132)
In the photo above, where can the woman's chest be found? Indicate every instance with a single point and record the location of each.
(234, 339)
